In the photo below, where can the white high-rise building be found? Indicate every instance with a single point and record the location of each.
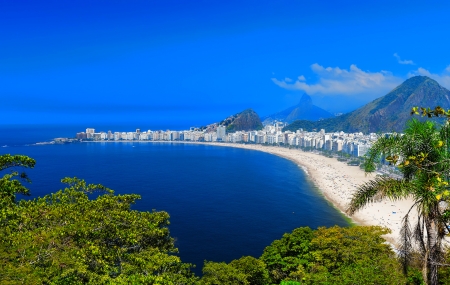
(221, 133)
(90, 133)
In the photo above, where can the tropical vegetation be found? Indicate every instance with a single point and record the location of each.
(421, 154)
(68, 238)
(355, 255)
(86, 234)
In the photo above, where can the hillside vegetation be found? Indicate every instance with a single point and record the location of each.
(246, 120)
(385, 114)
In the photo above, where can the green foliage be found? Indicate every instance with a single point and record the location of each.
(286, 255)
(244, 121)
(421, 155)
(353, 255)
(70, 237)
(306, 125)
(215, 273)
(10, 184)
(8, 161)
(254, 269)
(290, 283)
(246, 270)
(67, 238)
(356, 255)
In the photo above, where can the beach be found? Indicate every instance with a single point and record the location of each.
(337, 181)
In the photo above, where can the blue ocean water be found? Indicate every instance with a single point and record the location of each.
(224, 203)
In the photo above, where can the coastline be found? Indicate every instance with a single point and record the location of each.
(336, 181)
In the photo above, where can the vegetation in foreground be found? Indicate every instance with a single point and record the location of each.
(422, 156)
(69, 238)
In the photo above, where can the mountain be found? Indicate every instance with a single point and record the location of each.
(385, 114)
(304, 110)
(247, 120)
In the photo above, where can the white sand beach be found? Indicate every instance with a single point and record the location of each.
(338, 181)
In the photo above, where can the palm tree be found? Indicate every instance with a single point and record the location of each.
(421, 154)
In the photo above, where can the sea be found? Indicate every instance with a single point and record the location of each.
(223, 202)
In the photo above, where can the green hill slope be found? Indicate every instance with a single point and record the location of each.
(246, 120)
(385, 114)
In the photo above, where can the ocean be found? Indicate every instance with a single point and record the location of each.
(224, 203)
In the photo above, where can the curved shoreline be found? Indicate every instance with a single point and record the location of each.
(337, 181)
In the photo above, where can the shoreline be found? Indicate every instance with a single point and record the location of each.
(335, 180)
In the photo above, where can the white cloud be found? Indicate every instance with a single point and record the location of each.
(443, 78)
(287, 79)
(399, 60)
(337, 81)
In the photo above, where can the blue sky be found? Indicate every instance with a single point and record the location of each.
(196, 62)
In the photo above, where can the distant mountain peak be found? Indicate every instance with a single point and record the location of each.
(304, 110)
(305, 98)
(415, 81)
(388, 113)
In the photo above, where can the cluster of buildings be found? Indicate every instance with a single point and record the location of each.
(355, 144)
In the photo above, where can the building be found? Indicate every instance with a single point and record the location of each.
(81, 136)
(221, 133)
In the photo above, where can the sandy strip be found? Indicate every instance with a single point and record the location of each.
(338, 181)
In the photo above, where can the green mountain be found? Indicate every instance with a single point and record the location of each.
(385, 114)
(304, 110)
(246, 120)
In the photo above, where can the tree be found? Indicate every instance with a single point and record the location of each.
(68, 238)
(254, 269)
(10, 184)
(421, 154)
(220, 273)
(286, 255)
(245, 270)
(356, 255)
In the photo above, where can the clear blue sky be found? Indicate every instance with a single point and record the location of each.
(197, 62)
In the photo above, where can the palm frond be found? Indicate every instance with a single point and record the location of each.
(385, 145)
(405, 248)
(378, 189)
(419, 235)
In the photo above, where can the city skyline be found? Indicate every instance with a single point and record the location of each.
(355, 144)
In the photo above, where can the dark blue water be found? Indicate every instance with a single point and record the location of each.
(224, 202)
